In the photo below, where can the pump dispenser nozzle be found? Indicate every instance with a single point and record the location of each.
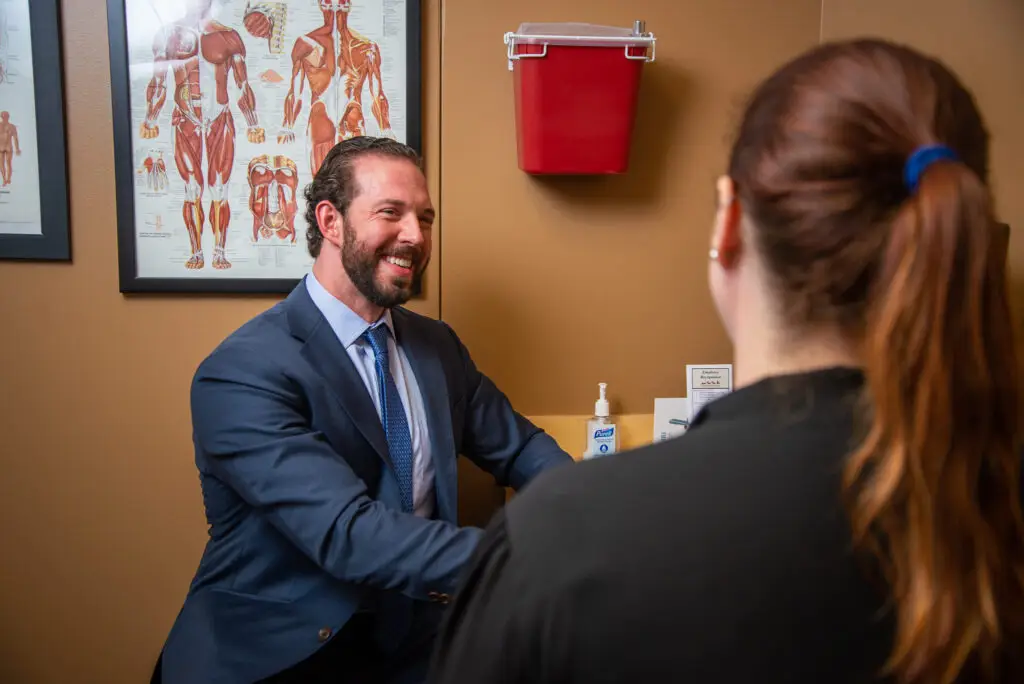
(601, 405)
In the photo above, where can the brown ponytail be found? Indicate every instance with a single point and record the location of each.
(935, 482)
(916, 277)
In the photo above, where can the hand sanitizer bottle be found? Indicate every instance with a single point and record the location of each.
(602, 433)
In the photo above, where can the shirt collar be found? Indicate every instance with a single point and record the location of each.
(348, 326)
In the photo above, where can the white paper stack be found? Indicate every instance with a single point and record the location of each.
(671, 417)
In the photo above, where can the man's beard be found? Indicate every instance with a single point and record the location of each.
(360, 264)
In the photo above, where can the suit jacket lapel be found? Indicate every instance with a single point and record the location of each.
(325, 353)
(433, 385)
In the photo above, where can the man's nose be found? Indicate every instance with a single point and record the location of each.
(412, 231)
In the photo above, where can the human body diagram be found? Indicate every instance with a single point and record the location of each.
(201, 55)
(9, 146)
(335, 62)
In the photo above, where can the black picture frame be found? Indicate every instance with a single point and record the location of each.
(124, 155)
(54, 242)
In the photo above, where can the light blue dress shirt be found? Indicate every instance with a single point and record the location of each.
(349, 328)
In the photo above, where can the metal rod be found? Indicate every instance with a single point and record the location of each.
(613, 40)
(638, 27)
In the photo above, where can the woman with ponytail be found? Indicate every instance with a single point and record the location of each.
(852, 511)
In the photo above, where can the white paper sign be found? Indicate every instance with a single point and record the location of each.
(671, 417)
(705, 383)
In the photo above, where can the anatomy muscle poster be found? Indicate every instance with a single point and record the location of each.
(20, 203)
(231, 107)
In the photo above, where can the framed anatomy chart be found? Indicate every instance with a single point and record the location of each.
(223, 112)
(33, 163)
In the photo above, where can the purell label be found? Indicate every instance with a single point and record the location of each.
(603, 441)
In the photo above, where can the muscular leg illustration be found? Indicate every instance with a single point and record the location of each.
(273, 182)
(220, 153)
(202, 53)
(188, 158)
(9, 145)
(336, 63)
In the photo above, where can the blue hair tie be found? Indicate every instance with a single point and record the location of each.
(921, 159)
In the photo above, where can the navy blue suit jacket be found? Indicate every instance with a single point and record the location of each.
(304, 511)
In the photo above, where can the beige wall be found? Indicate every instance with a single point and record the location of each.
(101, 523)
(983, 41)
(549, 280)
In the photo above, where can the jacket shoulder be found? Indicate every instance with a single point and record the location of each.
(263, 336)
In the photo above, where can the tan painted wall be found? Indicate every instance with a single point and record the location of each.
(100, 515)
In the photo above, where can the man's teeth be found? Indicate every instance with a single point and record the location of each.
(404, 263)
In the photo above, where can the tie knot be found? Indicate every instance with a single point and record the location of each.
(377, 336)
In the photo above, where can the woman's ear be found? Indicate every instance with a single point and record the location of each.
(727, 237)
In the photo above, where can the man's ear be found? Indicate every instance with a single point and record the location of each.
(330, 221)
(727, 237)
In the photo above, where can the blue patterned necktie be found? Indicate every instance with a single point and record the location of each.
(396, 427)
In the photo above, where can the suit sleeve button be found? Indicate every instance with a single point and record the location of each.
(324, 634)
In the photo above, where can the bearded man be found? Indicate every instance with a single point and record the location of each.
(326, 433)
